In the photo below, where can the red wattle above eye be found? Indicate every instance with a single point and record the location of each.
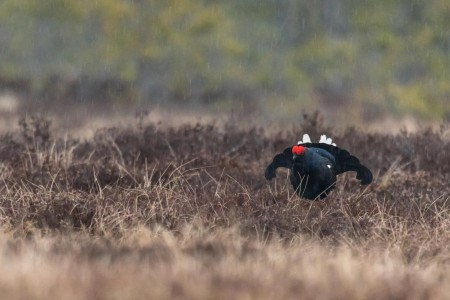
(297, 150)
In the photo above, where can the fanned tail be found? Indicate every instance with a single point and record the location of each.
(344, 161)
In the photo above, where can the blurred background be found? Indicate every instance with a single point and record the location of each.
(358, 62)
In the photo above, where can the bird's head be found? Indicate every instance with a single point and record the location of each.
(298, 151)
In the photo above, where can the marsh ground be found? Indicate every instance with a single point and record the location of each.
(145, 211)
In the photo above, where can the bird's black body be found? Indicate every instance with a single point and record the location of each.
(313, 173)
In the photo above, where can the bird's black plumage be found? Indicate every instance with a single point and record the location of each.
(313, 173)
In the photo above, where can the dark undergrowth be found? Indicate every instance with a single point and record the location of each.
(147, 212)
(147, 175)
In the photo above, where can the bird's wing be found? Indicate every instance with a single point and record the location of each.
(344, 161)
(283, 160)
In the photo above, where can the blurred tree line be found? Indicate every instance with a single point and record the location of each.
(370, 57)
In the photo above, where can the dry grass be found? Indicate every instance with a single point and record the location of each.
(166, 213)
(199, 263)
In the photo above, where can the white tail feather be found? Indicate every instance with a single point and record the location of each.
(306, 138)
(323, 140)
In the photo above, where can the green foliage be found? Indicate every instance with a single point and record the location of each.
(390, 54)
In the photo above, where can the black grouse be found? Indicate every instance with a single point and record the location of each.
(314, 166)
